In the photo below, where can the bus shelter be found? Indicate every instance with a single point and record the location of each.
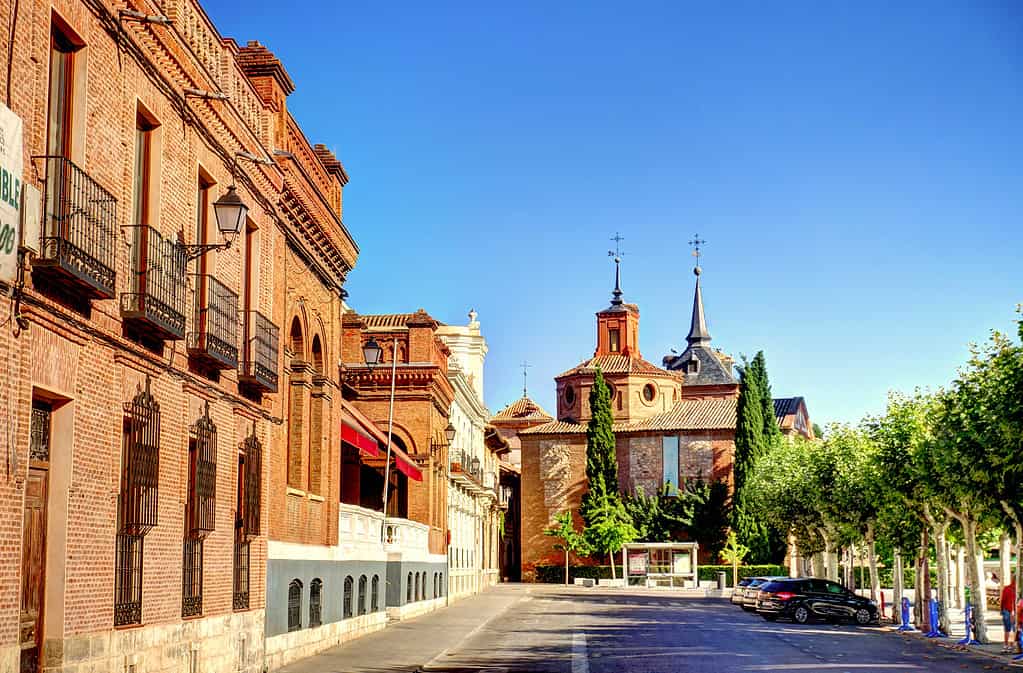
(661, 564)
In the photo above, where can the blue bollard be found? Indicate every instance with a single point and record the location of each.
(968, 639)
(935, 631)
(1019, 640)
(905, 616)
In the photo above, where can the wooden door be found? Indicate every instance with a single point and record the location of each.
(33, 566)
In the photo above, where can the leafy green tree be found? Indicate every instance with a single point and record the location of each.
(664, 516)
(711, 514)
(563, 528)
(601, 458)
(609, 527)
(818, 431)
(734, 552)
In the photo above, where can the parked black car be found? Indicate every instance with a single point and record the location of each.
(740, 591)
(805, 598)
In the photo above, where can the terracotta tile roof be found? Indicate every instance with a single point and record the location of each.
(714, 414)
(396, 319)
(615, 364)
(522, 409)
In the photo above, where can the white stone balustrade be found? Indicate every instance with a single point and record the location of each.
(406, 537)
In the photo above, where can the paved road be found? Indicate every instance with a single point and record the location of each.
(536, 629)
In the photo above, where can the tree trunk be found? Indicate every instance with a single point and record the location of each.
(1004, 554)
(1018, 525)
(919, 591)
(819, 565)
(897, 588)
(875, 581)
(793, 557)
(611, 556)
(939, 526)
(566, 567)
(960, 577)
(974, 572)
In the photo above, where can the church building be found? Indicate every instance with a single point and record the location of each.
(672, 423)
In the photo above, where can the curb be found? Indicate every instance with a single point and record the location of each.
(949, 644)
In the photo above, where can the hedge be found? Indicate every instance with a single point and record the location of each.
(708, 573)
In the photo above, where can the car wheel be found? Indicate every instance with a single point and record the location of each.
(801, 614)
(863, 616)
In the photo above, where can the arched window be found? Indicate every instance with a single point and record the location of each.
(295, 605)
(296, 410)
(362, 595)
(316, 421)
(375, 595)
(348, 597)
(408, 589)
(418, 588)
(315, 588)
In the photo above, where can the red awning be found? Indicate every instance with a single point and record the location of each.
(405, 465)
(358, 440)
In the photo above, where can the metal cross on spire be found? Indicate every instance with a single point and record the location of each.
(696, 243)
(525, 366)
(617, 253)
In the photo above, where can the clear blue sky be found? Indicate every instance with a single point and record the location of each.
(856, 168)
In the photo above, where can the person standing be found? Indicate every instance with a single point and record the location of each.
(1006, 605)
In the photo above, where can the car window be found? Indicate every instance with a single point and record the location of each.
(818, 586)
(835, 588)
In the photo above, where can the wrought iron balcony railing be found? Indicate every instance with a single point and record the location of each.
(259, 353)
(156, 303)
(214, 339)
(79, 230)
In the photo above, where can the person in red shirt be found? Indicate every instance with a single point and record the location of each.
(1006, 605)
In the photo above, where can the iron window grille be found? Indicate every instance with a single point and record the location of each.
(191, 578)
(140, 468)
(260, 353)
(375, 594)
(315, 588)
(241, 576)
(128, 580)
(295, 605)
(215, 336)
(248, 516)
(157, 300)
(362, 595)
(200, 515)
(39, 444)
(347, 605)
(79, 230)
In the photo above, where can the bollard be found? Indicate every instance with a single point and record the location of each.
(1019, 643)
(905, 616)
(968, 638)
(935, 631)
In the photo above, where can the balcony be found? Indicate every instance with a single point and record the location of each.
(259, 355)
(404, 536)
(215, 339)
(79, 231)
(156, 304)
(466, 471)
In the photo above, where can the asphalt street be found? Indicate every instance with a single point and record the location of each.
(544, 629)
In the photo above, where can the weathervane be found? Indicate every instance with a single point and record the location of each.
(525, 365)
(696, 243)
(617, 254)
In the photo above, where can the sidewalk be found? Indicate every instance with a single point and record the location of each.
(405, 646)
(957, 628)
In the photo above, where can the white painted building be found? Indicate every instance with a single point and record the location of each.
(474, 513)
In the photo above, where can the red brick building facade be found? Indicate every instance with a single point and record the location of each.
(150, 387)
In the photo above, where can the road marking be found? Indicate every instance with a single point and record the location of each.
(580, 662)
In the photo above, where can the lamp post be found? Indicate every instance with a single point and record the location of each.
(372, 351)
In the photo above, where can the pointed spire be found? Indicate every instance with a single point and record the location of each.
(698, 334)
(616, 295)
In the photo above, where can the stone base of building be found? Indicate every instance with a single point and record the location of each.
(410, 610)
(288, 647)
(231, 642)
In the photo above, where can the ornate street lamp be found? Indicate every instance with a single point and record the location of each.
(372, 352)
(449, 432)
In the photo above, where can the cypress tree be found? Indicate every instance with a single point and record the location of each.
(601, 460)
(751, 441)
(772, 433)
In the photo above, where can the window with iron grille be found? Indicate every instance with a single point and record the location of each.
(315, 587)
(362, 595)
(39, 446)
(200, 516)
(375, 594)
(347, 605)
(250, 478)
(128, 580)
(191, 578)
(140, 464)
(295, 605)
(241, 575)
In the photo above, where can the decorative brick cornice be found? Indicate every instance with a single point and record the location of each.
(258, 61)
